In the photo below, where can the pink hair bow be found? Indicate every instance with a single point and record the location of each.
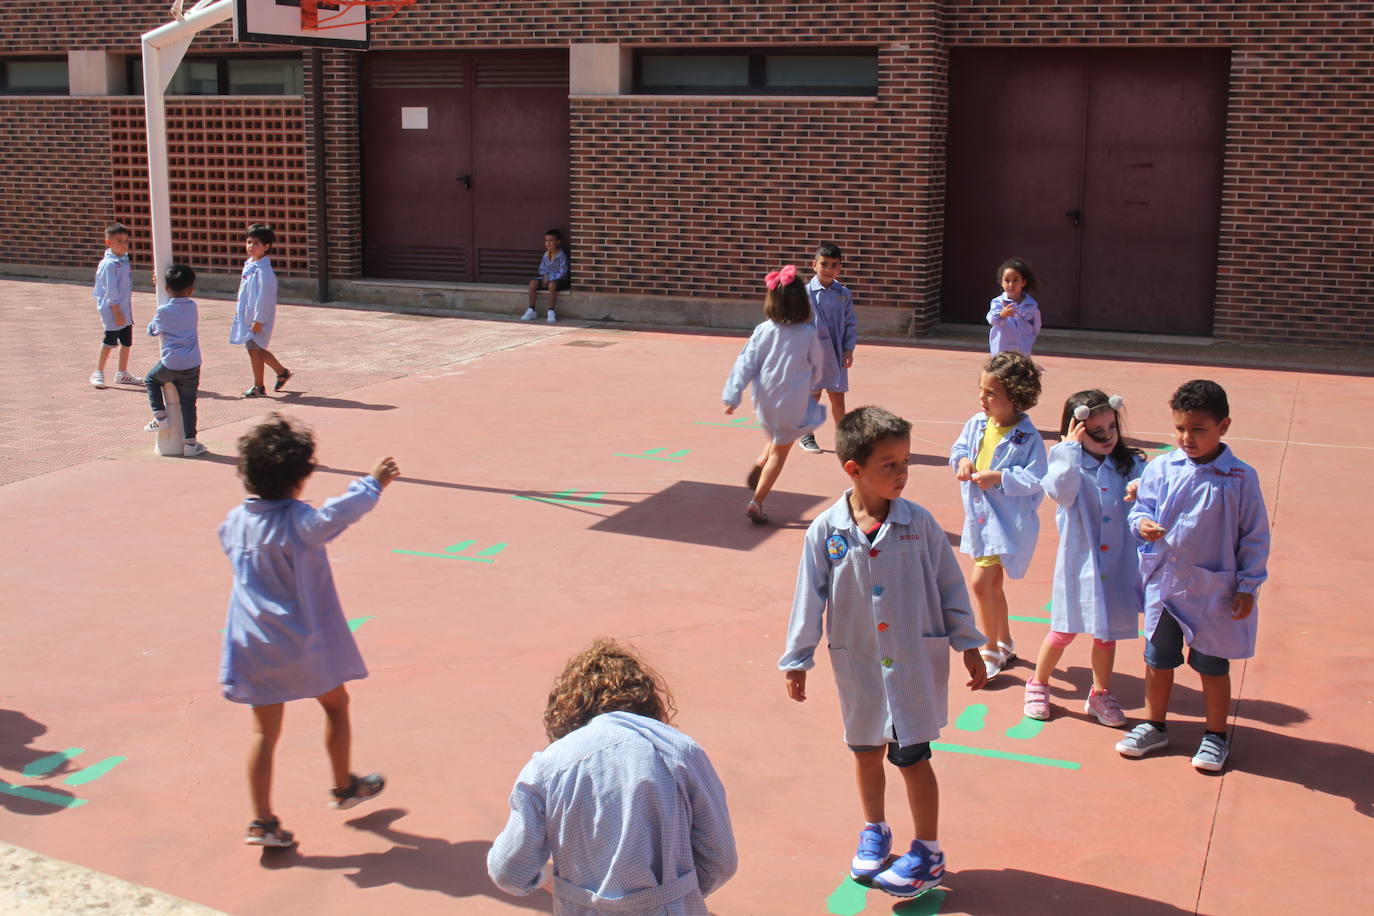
(781, 277)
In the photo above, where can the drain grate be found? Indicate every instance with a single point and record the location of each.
(590, 343)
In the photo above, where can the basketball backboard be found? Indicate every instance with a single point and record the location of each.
(335, 25)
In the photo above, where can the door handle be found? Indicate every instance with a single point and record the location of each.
(1075, 215)
(466, 180)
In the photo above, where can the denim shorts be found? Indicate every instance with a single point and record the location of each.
(1164, 649)
(903, 757)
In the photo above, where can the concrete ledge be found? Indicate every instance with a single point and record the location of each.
(34, 885)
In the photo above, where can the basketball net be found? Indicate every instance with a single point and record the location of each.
(384, 9)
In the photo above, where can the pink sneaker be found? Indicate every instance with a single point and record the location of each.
(1037, 700)
(1104, 706)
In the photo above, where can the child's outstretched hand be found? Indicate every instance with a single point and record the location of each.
(978, 672)
(964, 470)
(386, 471)
(1242, 606)
(796, 685)
(1151, 530)
(986, 480)
(1131, 489)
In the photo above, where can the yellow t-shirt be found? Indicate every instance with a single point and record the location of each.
(992, 435)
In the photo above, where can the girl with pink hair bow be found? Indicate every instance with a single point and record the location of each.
(782, 364)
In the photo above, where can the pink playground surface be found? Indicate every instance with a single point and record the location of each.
(566, 482)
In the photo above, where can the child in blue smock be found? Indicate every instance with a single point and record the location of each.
(1014, 315)
(114, 292)
(1091, 477)
(285, 636)
(621, 813)
(879, 574)
(256, 312)
(1201, 514)
(999, 459)
(783, 362)
(832, 312)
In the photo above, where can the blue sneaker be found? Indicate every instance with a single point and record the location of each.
(874, 846)
(914, 873)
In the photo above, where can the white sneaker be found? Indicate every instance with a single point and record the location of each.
(553, 317)
(97, 379)
(192, 449)
(127, 378)
(529, 315)
(157, 423)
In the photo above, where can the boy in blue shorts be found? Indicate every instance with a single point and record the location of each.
(832, 312)
(1201, 514)
(897, 605)
(176, 322)
(114, 299)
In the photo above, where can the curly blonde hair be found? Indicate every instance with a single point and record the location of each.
(604, 678)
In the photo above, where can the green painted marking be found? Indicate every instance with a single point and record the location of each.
(680, 453)
(1048, 605)
(653, 454)
(1028, 619)
(357, 622)
(738, 423)
(1026, 728)
(41, 795)
(849, 899)
(442, 556)
(928, 904)
(94, 771)
(971, 719)
(554, 500)
(45, 765)
(493, 550)
(1005, 755)
(460, 546)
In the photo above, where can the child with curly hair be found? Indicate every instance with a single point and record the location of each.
(628, 808)
(999, 459)
(285, 637)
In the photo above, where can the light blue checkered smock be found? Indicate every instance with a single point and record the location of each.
(633, 815)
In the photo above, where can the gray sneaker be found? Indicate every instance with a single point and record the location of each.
(1211, 753)
(1142, 739)
(808, 443)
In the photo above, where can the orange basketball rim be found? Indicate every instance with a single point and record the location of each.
(377, 11)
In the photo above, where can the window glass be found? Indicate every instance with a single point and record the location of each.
(195, 77)
(814, 70)
(256, 76)
(693, 70)
(35, 75)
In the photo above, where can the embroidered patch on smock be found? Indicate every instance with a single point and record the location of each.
(836, 546)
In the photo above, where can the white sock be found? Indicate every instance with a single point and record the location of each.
(880, 826)
(932, 845)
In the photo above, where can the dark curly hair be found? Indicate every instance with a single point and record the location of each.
(1022, 267)
(604, 678)
(788, 304)
(275, 456)
(1202, 394)
(1018, 375)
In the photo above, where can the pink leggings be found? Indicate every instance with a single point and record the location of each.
(1062, 640)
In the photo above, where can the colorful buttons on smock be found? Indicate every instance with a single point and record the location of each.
(887, 663)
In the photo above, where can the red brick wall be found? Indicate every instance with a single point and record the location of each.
(697, 198)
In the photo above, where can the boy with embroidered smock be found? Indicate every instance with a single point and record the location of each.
(114, 299)
(878, 571)
(1201, 514)
(832, 312)
(177, 322)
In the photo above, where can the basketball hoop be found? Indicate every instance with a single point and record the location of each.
(375, 11)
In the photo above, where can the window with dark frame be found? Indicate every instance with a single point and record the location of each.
(241, 74)
(757, 71)
(34, 76)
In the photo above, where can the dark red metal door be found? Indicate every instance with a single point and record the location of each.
(417, 167)
(520, 160)
(465, 188)
(1103, 167)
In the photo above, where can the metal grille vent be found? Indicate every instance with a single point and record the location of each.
(520, 71)
(496, 265)
(417, 263)
(410, 72)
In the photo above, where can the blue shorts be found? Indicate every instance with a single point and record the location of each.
(1164, 649)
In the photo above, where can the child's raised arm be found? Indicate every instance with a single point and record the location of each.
(320, 526)
(1062, 480)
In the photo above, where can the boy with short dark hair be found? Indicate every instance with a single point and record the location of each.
(553, 275)
(832, 312)
(114, 300)
(176, 322)
(1201, 514)
(897, 603)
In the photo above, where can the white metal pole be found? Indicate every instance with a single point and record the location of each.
(163, 49)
